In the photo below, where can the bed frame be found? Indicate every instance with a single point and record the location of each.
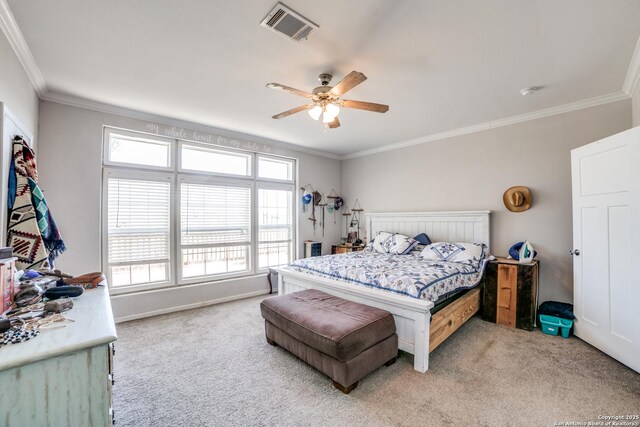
(418, 332)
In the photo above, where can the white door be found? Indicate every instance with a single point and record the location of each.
(606, 237)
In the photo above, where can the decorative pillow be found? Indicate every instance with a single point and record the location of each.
(418, 248)
(396, 244)
(411, 247)
(423, 239)
(382, 243)
(467, 253)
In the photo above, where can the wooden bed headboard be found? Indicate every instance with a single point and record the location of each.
(460, 226)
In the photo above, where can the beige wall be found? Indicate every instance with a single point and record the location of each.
(471, 172)
(16, 90)
(636, 106)
(70, 158)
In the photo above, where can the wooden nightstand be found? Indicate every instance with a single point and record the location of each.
(341, 249)
(511, 293)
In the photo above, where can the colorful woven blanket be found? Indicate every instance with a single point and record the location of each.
(31, 232)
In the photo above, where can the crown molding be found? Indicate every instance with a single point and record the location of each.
(75, 101)
(12, 31)
(633, 74)
(547, 112)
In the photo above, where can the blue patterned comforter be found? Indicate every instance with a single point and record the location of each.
(409, 275)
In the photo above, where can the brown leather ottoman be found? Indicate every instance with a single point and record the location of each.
(343, 339)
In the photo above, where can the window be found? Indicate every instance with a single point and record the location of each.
(125, 147)
(139, 230)
(215, 229)
(204, 159)
(276, 227)
(272, 168)
(232, 211)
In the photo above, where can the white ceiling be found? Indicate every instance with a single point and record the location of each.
(440, 65)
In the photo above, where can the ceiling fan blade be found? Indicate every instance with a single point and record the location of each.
(334, 124)
(278, 86)
(293, 111)
(352, 80)
(369, 106)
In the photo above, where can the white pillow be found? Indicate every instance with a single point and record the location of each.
(396, 244)
(382, 243)
(402, 244)
(468, 253)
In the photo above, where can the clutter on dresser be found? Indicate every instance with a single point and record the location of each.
(7, 285)
(6, 252)
(38, 299)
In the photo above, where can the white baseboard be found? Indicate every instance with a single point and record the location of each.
(190, 306)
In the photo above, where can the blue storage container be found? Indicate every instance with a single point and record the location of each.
(551, 325)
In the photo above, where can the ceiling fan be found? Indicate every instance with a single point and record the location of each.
(326, 101)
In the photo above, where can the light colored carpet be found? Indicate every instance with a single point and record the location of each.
(213, 367)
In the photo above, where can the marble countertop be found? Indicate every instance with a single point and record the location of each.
(93, 325)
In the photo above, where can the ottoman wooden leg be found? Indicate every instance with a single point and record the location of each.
(345, 390)
(391, 362)
(272, 342)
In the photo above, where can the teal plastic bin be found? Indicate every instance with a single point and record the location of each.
(551, 325)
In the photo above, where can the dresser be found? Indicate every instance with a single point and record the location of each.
(62, 377)
(510, 293)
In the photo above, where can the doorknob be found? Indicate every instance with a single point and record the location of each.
(575, 252)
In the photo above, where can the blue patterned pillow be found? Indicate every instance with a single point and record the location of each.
(466, 253)
(396, 244)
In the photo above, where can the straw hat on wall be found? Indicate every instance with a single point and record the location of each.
(517, 199)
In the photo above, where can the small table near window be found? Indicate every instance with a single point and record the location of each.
(342, 249)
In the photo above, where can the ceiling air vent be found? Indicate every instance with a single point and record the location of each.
(288, 23)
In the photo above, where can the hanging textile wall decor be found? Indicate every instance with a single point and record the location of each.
(31, 231)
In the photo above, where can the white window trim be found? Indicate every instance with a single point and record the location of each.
(176, 175)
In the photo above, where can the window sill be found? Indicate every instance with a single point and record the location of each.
(133, 289)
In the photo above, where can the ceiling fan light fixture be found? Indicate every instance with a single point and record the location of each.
(315, 112)
(326, 101)
(327, 117)
(333, 109)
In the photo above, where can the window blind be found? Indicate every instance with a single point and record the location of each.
(215, 228)
(138, 220)
(214, 214)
